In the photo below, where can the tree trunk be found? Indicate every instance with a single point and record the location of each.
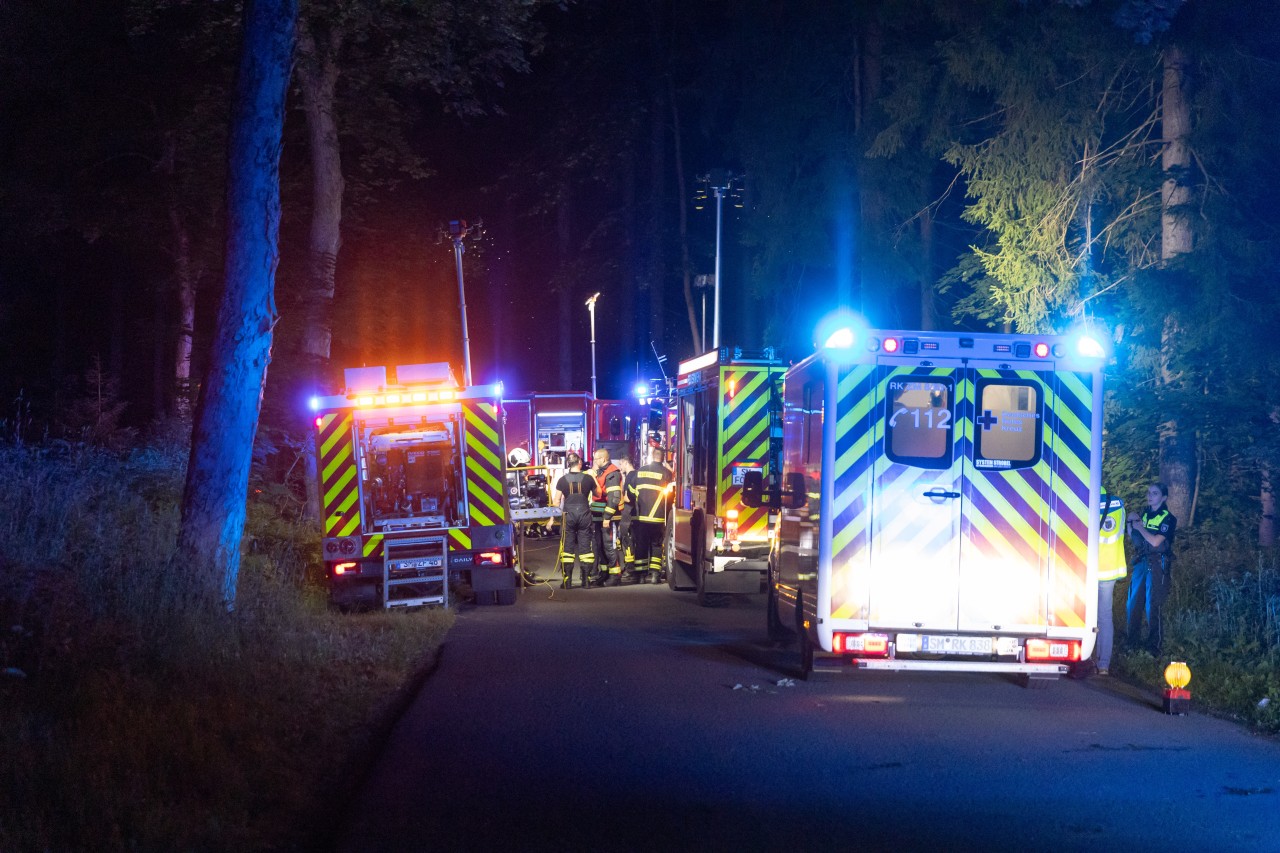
(318, 81)
(655, 263)
(686, 270)
(1267, 524)
(928, 307)
(564, 242)
(213, 502)
(186, 280)
(1177, 444)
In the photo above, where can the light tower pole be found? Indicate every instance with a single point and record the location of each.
(720, 182)
(591, 309)
(459, 230)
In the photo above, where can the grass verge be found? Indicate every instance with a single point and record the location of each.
(131, 719)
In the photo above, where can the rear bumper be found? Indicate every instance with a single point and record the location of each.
(1051, 670)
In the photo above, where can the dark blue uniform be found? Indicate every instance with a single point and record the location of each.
(575, 526)
(1151, 577)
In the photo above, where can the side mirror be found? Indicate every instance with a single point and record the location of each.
(753, 488)
(795, 497)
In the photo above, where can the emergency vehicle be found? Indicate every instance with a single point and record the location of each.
(412, 484)
(549, 425)
(724, 422)
(939, 503)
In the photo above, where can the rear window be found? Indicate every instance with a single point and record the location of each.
(919, 421)
(1008, 426)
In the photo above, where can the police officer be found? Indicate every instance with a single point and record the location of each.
(604, 510)
(626, 511)
(650, 494)
(573, 496)
(1111, 567)
(1152, 572)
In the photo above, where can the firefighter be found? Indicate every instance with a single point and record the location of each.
(651, 494)
(604, 510)
(1111, 567)
(1152, 571)
(626, 511)
(573, 496)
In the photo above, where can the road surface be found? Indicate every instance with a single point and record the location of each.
(632, 719)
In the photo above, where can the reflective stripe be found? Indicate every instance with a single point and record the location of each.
(1111, 560)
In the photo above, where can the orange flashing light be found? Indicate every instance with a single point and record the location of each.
(1052, 650)
(343, 568)
(861, 645)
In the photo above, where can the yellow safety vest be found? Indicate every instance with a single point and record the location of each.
(1111, 561)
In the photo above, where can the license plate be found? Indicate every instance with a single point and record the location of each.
(425, 563)
(955, 645)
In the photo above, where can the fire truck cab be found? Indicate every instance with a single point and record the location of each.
(724, 422)
(412, 482)
(939, 503)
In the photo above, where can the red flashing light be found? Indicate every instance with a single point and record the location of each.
(1052, 650)
(319, 421)
(488, 558)
(343, 568)
(1042, 350)
(891, 344)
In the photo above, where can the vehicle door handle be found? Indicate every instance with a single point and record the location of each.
(941, 494)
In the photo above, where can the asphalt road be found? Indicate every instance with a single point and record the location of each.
(632, 719)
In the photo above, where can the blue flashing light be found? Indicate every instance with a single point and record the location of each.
(642, 390)
(315, 403)
(1089, 347)
(497, 390)
(842, 338)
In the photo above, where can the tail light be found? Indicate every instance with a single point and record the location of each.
(731, 525)
(861, 645)
(488, 558)
(1052, 650)
(344, 568)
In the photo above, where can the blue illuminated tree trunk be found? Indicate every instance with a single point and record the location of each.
(213, 504)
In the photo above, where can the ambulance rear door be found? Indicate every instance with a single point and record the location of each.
(960, 493)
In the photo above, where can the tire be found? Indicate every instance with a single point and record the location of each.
(778, 632)
(804, 652)
(507, 597)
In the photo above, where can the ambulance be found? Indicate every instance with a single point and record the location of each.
(412, 483)
(938, 508)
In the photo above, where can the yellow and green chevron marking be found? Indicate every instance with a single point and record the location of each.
(486, 467)
(745, 407)
(339, 476)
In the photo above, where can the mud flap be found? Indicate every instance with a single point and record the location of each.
(743, 577)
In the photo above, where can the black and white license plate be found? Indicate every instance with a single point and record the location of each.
(952, 645)
(424, 563)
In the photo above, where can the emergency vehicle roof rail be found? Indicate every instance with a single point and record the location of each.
(728, 355)
(406, 395)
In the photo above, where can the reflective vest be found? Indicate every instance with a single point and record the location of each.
(608, 496)
(1111, 562)
(651, 491)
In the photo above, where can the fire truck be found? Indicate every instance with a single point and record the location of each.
(412, 483)
(724, 422)
(549, 425)
(939, 503)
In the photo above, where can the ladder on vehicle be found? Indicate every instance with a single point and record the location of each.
(415, 571)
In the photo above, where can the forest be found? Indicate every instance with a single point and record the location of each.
(1021, 165)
